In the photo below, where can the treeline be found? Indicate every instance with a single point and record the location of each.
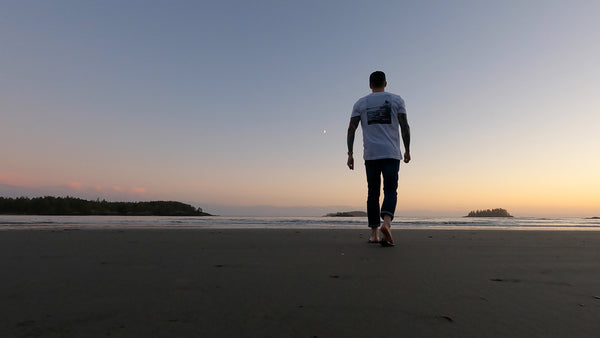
(75, 206)
(347, 214)
(499, 212)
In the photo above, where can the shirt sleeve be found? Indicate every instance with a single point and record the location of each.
(401, 106)
(355, 110)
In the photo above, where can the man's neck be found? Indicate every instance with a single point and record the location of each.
(378, 90)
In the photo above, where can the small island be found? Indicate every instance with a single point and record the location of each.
(67, 206)
(499, 212)
(347, 214)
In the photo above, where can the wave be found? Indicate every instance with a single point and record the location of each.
(211, 222)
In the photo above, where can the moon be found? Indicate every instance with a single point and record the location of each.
(324, 131)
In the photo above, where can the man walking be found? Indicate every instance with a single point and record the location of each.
(381, 115)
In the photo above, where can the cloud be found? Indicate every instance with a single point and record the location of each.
(117, 188)
(15, 180)
(75, 186)
(140, 191)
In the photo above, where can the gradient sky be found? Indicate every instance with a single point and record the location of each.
(224, 104)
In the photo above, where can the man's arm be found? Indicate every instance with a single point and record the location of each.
(354, 121)
(405, 130)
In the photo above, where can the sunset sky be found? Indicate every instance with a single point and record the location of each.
(230, 105)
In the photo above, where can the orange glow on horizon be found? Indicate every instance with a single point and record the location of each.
(417, 193)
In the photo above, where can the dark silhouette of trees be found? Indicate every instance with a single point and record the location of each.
(347, 214)
(499, 212)
(49, 205)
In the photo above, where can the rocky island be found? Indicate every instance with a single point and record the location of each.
(499, 212)
(347, 214)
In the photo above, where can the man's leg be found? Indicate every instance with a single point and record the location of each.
(373, 170)
(389, 169)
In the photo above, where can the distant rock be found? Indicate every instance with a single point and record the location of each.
(489, 213)
(595, 217)
(347, 214)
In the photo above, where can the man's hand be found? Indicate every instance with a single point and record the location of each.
(354, 121)
(405, 131)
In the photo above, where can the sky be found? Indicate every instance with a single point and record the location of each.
(242, 107)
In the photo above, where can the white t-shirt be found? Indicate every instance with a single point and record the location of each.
(379, 121)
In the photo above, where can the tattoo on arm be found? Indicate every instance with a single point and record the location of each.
(405, 130)
(354, 121)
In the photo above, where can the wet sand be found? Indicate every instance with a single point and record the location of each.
(299, 283)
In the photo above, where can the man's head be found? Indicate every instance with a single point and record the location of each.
(377, 81)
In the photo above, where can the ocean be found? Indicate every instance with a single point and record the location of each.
(11, 222)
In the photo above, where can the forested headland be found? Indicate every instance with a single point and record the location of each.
(75, 206)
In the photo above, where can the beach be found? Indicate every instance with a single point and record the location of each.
(299, 283)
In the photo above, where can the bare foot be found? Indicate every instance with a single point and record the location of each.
(387, 234)
(374, 236)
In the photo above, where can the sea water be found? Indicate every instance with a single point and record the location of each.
(10, 222)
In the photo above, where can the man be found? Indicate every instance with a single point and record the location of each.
(380, 113)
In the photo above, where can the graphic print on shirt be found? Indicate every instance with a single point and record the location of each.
(380, 114)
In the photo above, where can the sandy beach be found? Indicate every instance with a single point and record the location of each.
(299, 283)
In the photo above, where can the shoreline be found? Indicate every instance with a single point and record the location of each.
(299, 283)
(8, 223)
(87, 227)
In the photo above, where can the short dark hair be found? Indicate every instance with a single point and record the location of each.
(377, 79)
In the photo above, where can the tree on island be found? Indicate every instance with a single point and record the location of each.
(75, 206)
(499, 212)
(348, 214)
